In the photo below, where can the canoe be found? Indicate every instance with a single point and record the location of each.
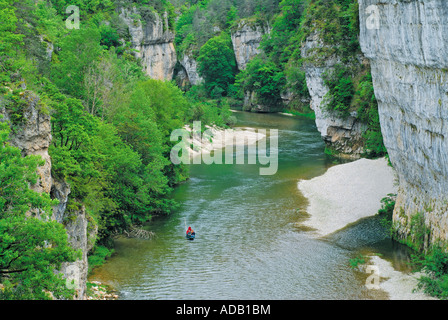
(191, 236)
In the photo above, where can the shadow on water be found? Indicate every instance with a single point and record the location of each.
(370, 236)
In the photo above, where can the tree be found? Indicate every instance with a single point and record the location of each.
(264, 78)
(341, 90)
(98, 83)
(9, 39)
(32, 246)
(79, 51)
(217, 64)
(284, 40)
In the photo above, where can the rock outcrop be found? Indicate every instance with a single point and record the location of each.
(33, 137)
(407, 44)
(246, 39)
(343, 135)
(190, 66)
(154, 42)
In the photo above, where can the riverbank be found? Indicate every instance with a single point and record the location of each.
(215, 138)
(398, 285)
(347, 193)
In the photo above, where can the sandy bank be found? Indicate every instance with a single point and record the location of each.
(215, 138)
(398, 285)
(347, 193)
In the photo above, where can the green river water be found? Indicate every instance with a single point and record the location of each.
(249, 243)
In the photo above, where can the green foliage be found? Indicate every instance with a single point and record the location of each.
(117, 171)
(348, 95)
(199, 19)
(9, 39)
(434, 265)
(283, 41)
(79, 50)
(98, 256)
(109, 36)
(419, 232)
(355, 262)
(386, 212)
(209, 111)
(296, 81)
(365, 101)
(341, 90)
(265, 79)
(282, 49)
(15, 104)
(31, 245)
(336, 22)
(147, 7)
(85, 6)
(217, 64)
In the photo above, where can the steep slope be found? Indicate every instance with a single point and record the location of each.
(406, 42)
(154, 42)
(33, 137)
(342, 134)
(246, 39)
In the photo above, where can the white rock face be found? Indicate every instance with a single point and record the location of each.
(154, 43)
(246, 41)
(79, 238)
(343, 135)
(191, 68)
(34, 138)
(409, 59)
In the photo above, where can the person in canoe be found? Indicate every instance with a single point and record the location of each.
(190, 232)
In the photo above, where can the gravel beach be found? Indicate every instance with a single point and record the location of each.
(347, 193)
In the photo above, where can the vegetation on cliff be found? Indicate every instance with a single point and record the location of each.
(110, 128)
(31, 245)
(111, 123)
(277, 70)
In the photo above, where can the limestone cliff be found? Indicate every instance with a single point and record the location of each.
(154, 42)
(406, 42)
(190, 66)
(81, 235)
(344, 135)
(246, 39)
(33, 137)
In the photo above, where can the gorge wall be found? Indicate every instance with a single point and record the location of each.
(246, 39)
(33, 137)
(190, 65)
(153, 40)
(343, 135)
(406, 42)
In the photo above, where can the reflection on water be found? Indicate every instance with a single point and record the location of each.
(248, 245)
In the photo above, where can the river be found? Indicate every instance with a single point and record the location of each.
(249, 242)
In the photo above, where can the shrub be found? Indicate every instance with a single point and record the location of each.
(435, 280)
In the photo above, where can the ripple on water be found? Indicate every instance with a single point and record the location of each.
(247, 246)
